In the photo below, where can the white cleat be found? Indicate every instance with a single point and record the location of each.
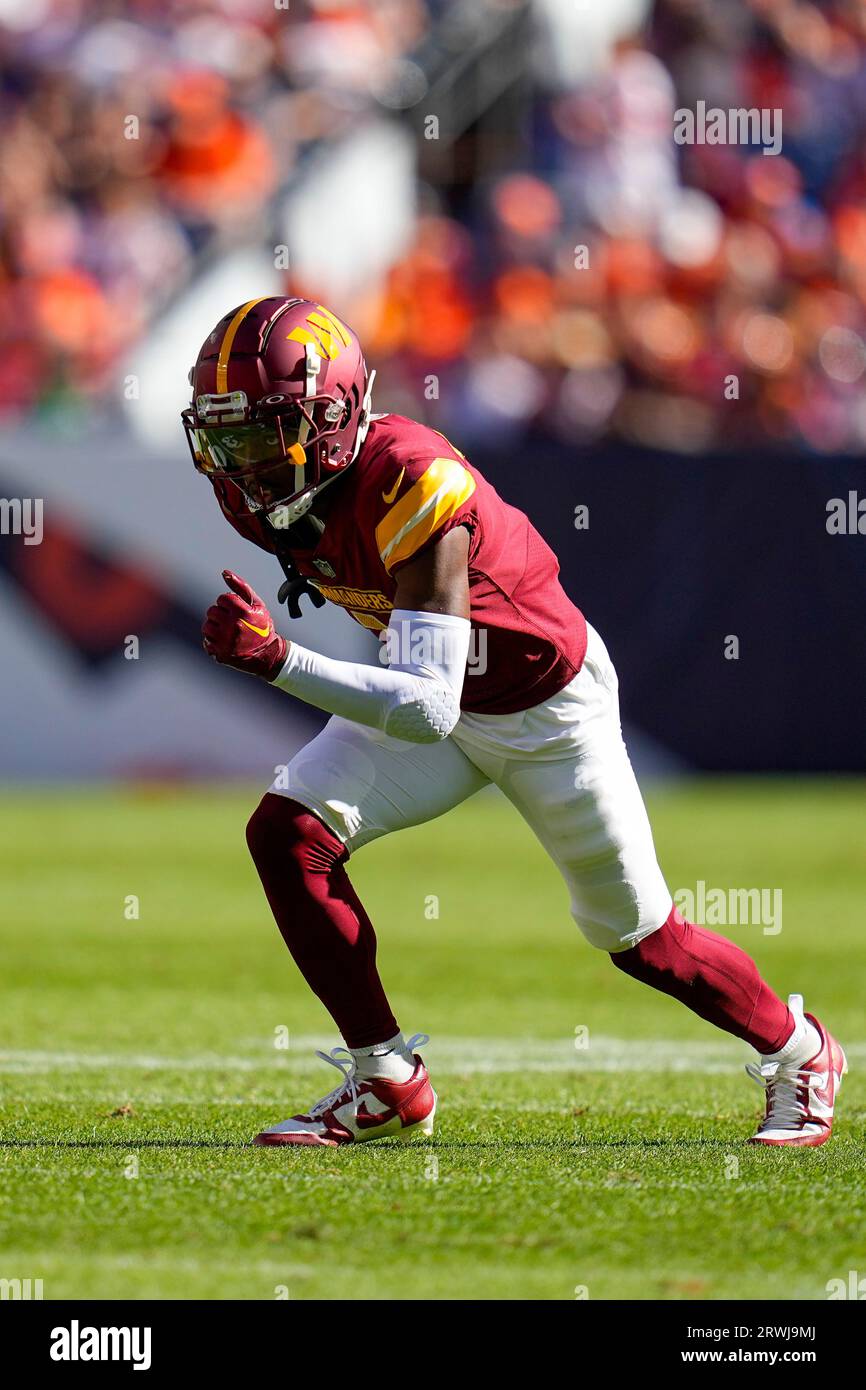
(801, 1097)
(362, 1108)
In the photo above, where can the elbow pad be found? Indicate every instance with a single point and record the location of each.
(432, 650)
(427, 717)
(416, 697)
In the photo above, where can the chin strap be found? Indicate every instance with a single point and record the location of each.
(366, 412)
(292, 590)
(294, 586)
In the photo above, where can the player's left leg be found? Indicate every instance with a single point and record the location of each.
(349, 786)
(579, 793)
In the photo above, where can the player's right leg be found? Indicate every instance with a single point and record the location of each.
(570, 777)
(349, 786)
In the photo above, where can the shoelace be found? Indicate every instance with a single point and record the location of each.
(346, 1063)
(785, 1109)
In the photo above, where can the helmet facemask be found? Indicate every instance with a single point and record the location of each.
(276, 455)
(301, 416)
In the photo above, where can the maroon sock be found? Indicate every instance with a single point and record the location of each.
(301, 865)
(713, 977)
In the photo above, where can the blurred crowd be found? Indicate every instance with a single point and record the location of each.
(604, 282)
(138, 137)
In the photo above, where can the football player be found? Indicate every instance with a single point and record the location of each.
(492, 675)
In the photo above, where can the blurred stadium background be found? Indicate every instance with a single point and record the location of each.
(430, 170)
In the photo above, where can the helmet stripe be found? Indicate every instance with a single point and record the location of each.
(222, 371)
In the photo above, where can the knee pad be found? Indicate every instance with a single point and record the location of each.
(282, 834)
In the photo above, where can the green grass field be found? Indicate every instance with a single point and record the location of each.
(138, 1056)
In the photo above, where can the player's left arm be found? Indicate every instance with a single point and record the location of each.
(437, 580)
(416, 697)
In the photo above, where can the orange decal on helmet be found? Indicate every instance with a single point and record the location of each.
(222, 371)
(327, 333)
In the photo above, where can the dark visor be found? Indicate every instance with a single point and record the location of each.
(265, 458)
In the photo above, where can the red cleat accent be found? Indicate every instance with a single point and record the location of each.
(361, 1109)
(801, 1098)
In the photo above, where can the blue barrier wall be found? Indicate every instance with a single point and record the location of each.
(681, 553)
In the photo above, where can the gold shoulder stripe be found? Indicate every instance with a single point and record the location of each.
(222, 371)
(428, 504)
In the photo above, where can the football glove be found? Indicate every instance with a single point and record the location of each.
(238, 631)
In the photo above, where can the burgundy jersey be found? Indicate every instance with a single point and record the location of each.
(407, 488)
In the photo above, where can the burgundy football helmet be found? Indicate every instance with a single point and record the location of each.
(280, 403)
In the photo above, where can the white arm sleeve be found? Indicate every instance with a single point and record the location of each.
(415, 697)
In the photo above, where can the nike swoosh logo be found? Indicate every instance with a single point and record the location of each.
(262, 631)
(388, 497)
(365, 1120)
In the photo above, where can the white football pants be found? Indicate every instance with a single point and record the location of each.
(563, 764)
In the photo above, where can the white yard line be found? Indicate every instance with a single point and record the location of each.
(445, 1055)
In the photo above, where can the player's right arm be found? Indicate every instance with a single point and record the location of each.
(416, 697)
(427, 542)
